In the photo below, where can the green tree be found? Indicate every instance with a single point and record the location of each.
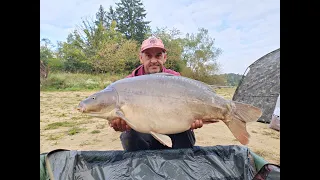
(114, 58)
(102, 18)
(174, 46)
(233, 79)
(111, 16)
(46, 52)
(200, 56)
(96, 49)
(130, 19)
(72, 54)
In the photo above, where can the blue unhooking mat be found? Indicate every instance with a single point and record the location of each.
(214, 162)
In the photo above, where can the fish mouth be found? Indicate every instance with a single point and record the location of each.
(81, 107)
(84, 110)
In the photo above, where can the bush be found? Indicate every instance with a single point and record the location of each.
(78, 81)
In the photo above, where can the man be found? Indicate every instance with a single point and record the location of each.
(152, 57)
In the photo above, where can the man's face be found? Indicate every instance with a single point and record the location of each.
(153, 60)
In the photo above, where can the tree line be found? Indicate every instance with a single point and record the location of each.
(110, 44)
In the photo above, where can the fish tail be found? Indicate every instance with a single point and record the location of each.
(241, 114)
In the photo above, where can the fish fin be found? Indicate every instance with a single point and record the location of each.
(241, 114)
(163, 139)
(239, 131)
(247, 112)
(120, 114)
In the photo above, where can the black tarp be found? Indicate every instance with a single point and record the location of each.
(215, 162)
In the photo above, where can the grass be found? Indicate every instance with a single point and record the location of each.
(55, 136)
(75, 130)
(56, 125)
(272, 134)
(77, 81)
(95, 131)
(61, 81)
(226, 92)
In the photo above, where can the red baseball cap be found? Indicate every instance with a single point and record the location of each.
(152, 42)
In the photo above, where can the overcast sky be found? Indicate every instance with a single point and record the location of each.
(244, 29)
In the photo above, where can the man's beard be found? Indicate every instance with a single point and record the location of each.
(159, 68)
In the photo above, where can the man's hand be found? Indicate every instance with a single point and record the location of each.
(119, 124)
(197, 124)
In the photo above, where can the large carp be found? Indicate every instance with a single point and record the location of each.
(162, 103)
